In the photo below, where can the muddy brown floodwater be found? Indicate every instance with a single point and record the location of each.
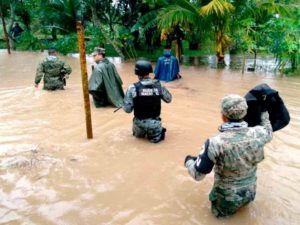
(51, 174)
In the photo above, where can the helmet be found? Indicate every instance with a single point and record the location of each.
(143, 67)
(234, 107)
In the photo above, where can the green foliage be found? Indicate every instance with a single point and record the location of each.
(145, 22)
(184, 14)
(66, 45)
(61, 14)
(94, 37)
(282, 36)
(217, 7)
(27, 41)
(248, 26)
(2, 45)
(244, 35)
(124, 40)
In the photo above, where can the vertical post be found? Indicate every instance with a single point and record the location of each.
(4, 29)
(84, 77)
(243, 63)
(177, 50)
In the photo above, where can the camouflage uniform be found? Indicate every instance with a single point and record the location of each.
(149, 126)
(54, 71)
(234, 153)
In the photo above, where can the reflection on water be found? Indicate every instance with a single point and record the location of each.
(51, 174)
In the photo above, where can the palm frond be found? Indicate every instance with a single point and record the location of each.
(217, 7)
(146, 21)
(176, 14)
(187, 5)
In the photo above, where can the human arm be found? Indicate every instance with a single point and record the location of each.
(199, 166)
(128, 99)
(66, 70)
(166, 95)
(39, 74)
(267, 127)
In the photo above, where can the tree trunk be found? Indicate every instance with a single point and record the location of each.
(193, 46)
(26, 22)
(12, 20)
(54, 33)
(109, 40)
(255, 56)
(220, 58)
(281, 69)
(4, 29)
(293, 62)
(243, 63)
(84, 78)
(197, 61)
(177, 49)
(220, 54)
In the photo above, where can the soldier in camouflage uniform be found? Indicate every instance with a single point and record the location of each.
(235, 153)
(54, 70)
(144, 97)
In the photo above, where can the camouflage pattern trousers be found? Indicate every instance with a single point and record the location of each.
(226, 201)
(53, 84)
(151, 128)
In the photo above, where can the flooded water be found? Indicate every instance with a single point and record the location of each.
(51, 174)
(262, 64)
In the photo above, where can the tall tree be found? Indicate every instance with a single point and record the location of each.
(219, 13)
(4, 27)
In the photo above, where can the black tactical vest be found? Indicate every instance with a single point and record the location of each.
(147, 101)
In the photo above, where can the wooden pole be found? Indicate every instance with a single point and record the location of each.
(4, 29)
(243, 63)
(84, 77)
(177, 50)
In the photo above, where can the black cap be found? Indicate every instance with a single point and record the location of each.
(143, 67)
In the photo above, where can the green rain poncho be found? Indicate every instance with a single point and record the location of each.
(105, 85)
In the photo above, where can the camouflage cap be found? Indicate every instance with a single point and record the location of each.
(98, 50)
(234, 107)
(51, 50)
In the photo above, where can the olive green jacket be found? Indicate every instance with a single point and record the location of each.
(55, 71)
(105, 85)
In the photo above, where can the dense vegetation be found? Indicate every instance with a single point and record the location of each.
(131, 28)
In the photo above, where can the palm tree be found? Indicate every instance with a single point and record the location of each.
(92, 4)
(219, 12)
(146, 24)
(180, 14)
(60, 15)
(194, 19)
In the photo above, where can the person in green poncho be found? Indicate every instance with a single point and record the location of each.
(105, 84)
